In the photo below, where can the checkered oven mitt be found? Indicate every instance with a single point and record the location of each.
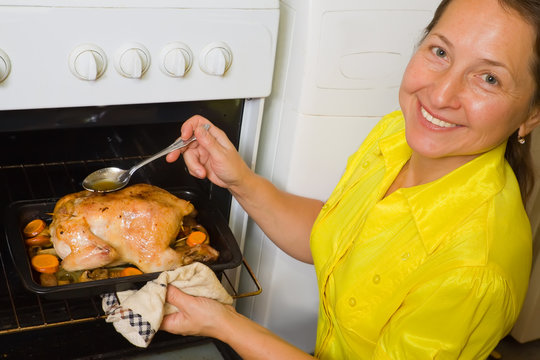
(137, 314)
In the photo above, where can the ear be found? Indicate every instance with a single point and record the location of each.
(532, 122)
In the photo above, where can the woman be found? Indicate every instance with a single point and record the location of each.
(423, 249)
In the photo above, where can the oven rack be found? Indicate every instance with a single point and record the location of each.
(46, 313)
(21, 310)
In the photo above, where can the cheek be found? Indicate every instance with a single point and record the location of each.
(494, 115)
(492, 122)
(412, 79)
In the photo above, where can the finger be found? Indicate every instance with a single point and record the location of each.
(194, 165)
(175, 296)
(186, 131)
(172, 156)
(170, 323)
(214, 141)
(189, 126)
(175, 154)
(213, 136)
(174, 323)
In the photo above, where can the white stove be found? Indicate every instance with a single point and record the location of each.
(90, 61)
(77, 53)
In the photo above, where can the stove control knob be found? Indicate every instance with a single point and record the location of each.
(132, 60)
(5, 66)
(216, 59)
(87, 62)
(176, 59)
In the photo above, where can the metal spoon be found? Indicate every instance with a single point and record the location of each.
(112, 178)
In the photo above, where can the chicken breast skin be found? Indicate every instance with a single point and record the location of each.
(134, 225)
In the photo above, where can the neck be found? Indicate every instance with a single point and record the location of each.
(420, 170)
(423, 170)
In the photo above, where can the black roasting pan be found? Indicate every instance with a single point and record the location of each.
(19, 213)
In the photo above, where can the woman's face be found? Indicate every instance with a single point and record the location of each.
(469, 85)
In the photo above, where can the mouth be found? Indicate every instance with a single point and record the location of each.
(433, 120)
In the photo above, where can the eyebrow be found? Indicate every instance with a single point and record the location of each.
(444, 40)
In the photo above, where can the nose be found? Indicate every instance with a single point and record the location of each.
(446, 89)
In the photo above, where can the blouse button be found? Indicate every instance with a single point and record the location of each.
(365, 164)
(405, 256)
(376, 279)
(352, 302)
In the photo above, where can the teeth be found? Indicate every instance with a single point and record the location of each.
(436, 121)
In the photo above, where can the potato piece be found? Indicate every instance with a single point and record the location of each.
(65, 278)
(96, 274)
(47, 280)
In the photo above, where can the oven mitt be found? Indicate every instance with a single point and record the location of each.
(137, 314)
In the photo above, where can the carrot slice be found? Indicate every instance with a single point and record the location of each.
(34, 227)
(130, 271)
(195, 238)
(38, 240)
(45, 263)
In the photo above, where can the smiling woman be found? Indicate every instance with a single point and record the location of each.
(469, 86)
(500, 73)
(423, 250)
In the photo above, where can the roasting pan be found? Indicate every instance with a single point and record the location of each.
(19, 213)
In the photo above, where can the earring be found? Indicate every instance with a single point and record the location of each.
(521, 139)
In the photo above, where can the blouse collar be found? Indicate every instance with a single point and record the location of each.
(456, 195)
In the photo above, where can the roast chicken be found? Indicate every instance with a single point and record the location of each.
(135, 225)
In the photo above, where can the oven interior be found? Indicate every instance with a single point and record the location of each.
(46, 153)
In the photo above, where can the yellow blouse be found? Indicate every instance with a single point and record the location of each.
(436, 271)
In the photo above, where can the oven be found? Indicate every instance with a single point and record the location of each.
(86, 84)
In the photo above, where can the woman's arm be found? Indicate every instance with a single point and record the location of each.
(285, 218)
(205, 317)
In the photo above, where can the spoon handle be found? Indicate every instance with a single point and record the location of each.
(178, 144)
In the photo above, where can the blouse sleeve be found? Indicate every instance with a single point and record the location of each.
(458, 315)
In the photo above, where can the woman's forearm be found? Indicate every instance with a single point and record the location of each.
(252, 341)
(285, 218)
(201, 316)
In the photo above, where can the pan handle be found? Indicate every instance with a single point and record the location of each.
(237, 295)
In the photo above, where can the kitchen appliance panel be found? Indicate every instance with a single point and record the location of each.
(46, 59)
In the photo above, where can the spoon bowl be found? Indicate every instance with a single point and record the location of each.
(106, 179)
(113, 178)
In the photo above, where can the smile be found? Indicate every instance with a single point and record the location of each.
(435, 121)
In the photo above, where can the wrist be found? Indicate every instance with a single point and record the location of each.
(242, 188)
(225, 327)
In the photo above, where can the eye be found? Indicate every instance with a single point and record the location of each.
(439, 52)
(490, 79)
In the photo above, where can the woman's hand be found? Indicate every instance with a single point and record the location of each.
(212, 156)
(200, 316)
(196, 315)
(285, 218)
